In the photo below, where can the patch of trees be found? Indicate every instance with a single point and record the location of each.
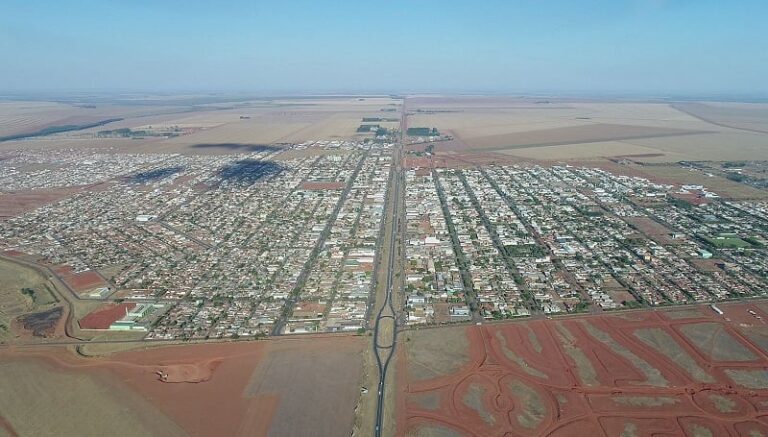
(422, 132)
(26, 291)
(58, 129)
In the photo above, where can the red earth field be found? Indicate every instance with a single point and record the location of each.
(320, 186)
(16, 203)
(105, 316)
(685, 372)
(82, 281)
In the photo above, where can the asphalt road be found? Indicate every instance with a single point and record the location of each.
(384, 348)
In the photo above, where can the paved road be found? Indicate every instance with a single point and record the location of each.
(302, 279)
(384, 348)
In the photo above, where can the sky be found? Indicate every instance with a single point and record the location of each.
(649, 47)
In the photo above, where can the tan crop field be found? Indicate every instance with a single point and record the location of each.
(24, 117)
(585, 151)
(73, 403)
(524, 128)
(746, 116)
(558, 129)
(226, 127)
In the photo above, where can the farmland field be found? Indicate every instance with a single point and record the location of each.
(224, 127)
(562, 129)
(58, 400)
(276, 387)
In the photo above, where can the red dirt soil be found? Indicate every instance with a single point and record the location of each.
(17, 203)
(522, 387)
(195, 372)
(5, 426)
(80, 282)
(322, 185)
(105, 316)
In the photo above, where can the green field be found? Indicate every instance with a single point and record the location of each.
(422, 132)
(728, 243)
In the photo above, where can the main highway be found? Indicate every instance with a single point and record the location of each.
(385, 328)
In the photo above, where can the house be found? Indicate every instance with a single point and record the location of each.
(459, 311)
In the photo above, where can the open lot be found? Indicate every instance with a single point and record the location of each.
(638, 372)
(276, 387)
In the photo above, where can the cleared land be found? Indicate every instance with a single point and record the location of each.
(276, 387)
(591, 375)
(16, 203)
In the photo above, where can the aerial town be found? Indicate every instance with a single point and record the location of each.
(513, 241)
(372, 263)
(409, 218)
(223, 247)
(229, 246)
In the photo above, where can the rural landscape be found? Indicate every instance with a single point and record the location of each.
(467, 266)
(409, 218)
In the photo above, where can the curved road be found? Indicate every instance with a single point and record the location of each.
(384, 348)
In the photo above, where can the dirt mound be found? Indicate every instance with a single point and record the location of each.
(192, 373)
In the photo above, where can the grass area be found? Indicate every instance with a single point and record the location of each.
(728, 243)
(754, 379)
(374, 119)
(100, 349)
(716, 343)
(533, 410)
(585, 371)
(436, 352)
(664, 343)
(525, 251)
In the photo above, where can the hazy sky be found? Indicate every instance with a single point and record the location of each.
(645, 46)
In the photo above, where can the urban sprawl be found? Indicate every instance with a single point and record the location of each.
(283, 242)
